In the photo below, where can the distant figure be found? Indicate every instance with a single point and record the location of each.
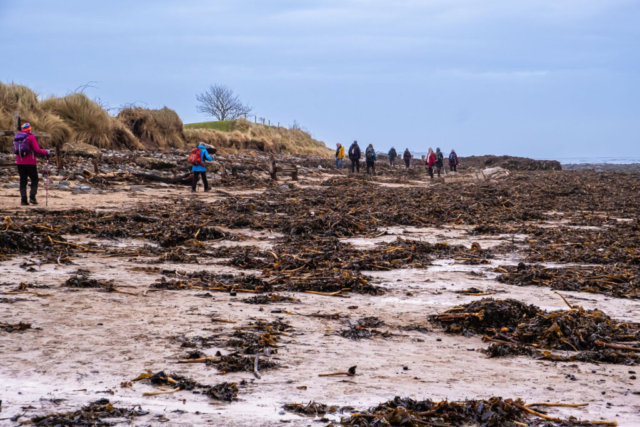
(197, 159)
(370, 157)
(407, 158)
(439, 160)
(392, 156)
(26, 148)
(453, 161)
(354, 156)
(430, 161)
(339, 156)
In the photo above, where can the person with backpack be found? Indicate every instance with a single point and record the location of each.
(453, 161)
(339, 156)
(430, 161)
(370, 157)
(407, 158)
(197, 158)
(439, 160)
(26, 148)
(354, 156)
(392, 156)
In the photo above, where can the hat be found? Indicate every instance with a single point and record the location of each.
(26, 127)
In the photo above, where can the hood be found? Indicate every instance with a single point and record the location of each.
(202, 146)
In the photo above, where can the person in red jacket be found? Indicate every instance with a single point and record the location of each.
(26, 148)
(430, 161)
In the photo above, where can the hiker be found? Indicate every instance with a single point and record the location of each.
(407, 158)
(339, 156)
(430, 161)
(354, 156)
(439, 160)
(392, 156)
(26, 148)
(197, 159)
(453, 161)
(370, 157)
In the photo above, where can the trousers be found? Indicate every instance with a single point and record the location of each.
(355, 165)
(196, 176)
(27, 172)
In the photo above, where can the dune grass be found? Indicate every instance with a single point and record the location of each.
(222, 126)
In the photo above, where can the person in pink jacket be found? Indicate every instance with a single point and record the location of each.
(26, 148)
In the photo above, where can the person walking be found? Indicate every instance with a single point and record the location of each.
(26, 148)
(392, 156)
(199, 169)
(407, 158)
(354, 156)
(430, 161)
(453, 161)
(339, 156)
(370, 157)
(439, 160)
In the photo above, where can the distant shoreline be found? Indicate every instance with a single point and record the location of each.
(602, 167)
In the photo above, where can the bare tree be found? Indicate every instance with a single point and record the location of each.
(220, 102)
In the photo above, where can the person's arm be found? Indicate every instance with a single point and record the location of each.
(33, 142)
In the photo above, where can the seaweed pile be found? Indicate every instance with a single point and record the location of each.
(613, 280)
(493, 412)
(364, 328)
(174, 383)
(90, 415)
(311, 409)
(515, 328)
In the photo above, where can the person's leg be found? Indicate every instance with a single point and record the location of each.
(204, 181)
(337, 163)
(22, 171)
(431, 172)
(358, 165)
(353, 165)
(373, 167)
(455, 168)
(439, 167)
(194, 183)
(33, 176)
(341, 164)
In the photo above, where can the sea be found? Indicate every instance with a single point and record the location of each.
(597, 160)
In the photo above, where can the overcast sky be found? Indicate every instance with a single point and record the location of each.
(539, 78)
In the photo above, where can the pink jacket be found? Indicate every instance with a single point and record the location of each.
(36, 150)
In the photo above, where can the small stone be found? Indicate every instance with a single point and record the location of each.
(12, 186)
(137, 188)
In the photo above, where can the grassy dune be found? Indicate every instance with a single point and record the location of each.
(234, 136)
(75, 117)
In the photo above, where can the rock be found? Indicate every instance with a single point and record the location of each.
(82, 150)
(83, 187)
(12, 186)
(164, 184)
(137, 188)
(64, 183)
(213, 167)
(154, 163)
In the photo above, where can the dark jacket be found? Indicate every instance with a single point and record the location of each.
(453, 159)
(354, 152)
(406, 155)
(439, 159)
(392, 153)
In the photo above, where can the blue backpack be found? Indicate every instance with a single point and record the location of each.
(21, 146)
(452, 157)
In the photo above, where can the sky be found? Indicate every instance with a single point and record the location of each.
(535, 78)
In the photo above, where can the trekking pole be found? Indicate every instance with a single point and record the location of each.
(46, 185)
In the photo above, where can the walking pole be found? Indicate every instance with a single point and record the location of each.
(46, 185)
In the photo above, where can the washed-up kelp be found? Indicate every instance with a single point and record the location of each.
(236, 362)
(311, 409)
(91, 415)
(364, 328)
(17, 327)
(612, 280)
(326, 281)
(493, 412)
(269, 299)
(173, 383)
(590, 333)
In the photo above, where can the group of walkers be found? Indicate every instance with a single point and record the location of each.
(354, 156)
(434, 160)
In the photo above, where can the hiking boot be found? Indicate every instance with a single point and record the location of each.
(33, 200)
(24, 202)
(207, 189)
